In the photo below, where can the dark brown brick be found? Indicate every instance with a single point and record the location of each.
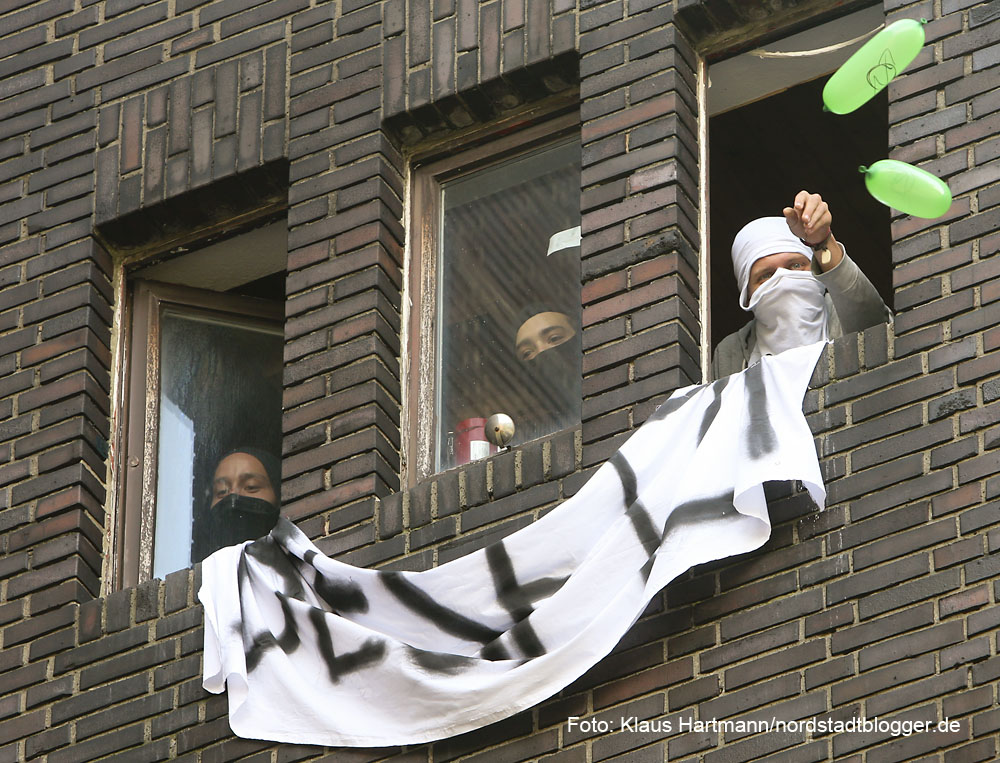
(749, 646)
(849, 639)
(908, 593)
(52, 526)
(122, 738)
(906, 393)
(698, 690)
(131, 662)
(22, 40)
(917, 692)
(146, 36)
(126, 712)
(787, 659)
(872, 380)
(868, 431)
(829, 671)
(866, 481)
(256, 16)
(879, 680)
(863, 583)
(242, 43)
(781, 610)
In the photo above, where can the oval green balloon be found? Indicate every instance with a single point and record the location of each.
(873, 66)
(907, 188)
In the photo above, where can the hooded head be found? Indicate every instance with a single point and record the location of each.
(759, 238)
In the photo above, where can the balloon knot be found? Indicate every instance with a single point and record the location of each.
(862, 169)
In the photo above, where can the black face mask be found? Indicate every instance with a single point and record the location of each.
(552, 390)
(234, 519)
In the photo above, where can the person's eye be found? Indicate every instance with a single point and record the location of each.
(554, 337)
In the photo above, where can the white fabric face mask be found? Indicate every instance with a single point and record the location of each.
(790, 312)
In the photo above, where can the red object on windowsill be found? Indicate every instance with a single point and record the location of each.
(470, 441)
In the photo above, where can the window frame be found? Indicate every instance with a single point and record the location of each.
(138, 437)
(428, 173)
(809, 33)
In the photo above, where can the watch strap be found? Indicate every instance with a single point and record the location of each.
(821, 250)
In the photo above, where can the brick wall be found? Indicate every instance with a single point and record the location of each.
(121, 116)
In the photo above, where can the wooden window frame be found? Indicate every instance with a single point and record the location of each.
(139, 436)
(509, 140)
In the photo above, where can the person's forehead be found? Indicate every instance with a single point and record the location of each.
(240, 464)
(539, 322)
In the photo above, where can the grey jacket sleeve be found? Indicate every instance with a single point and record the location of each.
(855, 299)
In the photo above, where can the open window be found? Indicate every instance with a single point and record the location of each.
(204, 347)
(495, 294)
(769, 138)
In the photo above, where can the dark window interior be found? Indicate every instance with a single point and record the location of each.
(762, 154)
(270, 287)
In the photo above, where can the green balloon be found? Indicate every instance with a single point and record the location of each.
(873, 66)
(907, 188)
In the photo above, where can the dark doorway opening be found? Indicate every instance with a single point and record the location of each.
(763, 153)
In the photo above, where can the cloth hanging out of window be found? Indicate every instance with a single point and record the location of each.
(316, 651)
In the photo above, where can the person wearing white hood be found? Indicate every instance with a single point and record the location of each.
(798, 282)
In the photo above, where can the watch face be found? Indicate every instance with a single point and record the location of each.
(824, 256)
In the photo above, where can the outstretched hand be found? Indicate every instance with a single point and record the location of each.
(809, 218)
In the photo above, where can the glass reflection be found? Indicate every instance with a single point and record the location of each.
(220, 390)
(509, 302)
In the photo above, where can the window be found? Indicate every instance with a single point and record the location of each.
(769, 137)
(495, 279)
(204, 379)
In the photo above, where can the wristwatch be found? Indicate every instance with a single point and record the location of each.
(821, 250)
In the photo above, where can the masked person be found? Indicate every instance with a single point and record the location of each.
(242, 503)
(546, 378)
(540, 331)
(548, 350)
(798, 282)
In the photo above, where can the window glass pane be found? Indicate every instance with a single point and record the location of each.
(220, 390)
(509, 302)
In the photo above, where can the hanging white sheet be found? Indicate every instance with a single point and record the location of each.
(316, 651)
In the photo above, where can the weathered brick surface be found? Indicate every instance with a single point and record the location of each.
(118, 111)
